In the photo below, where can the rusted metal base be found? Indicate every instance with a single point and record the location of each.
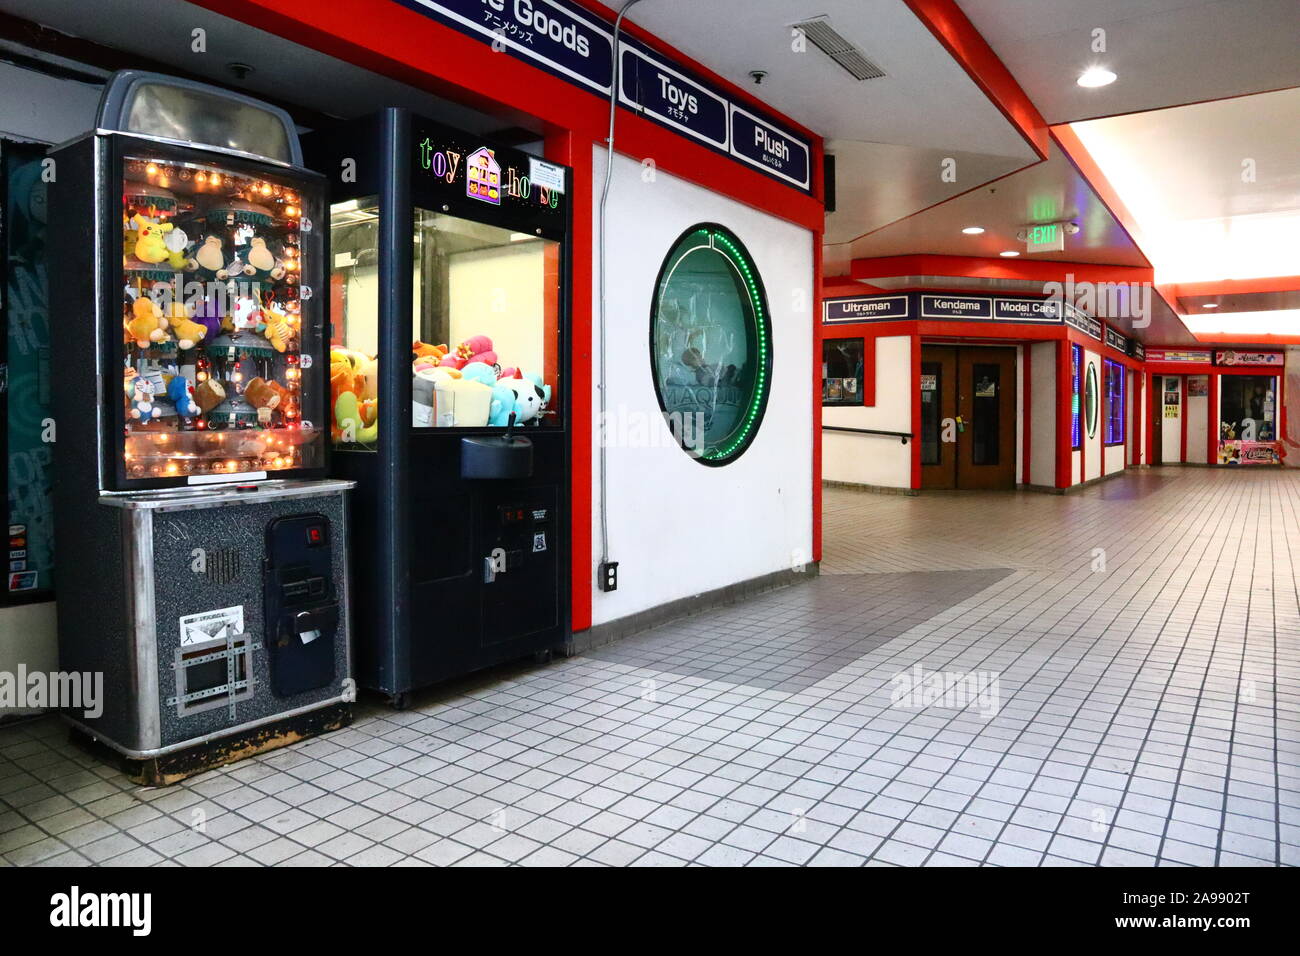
(167, 769)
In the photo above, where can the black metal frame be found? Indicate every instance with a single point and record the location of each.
(385, 170)
(904, 436)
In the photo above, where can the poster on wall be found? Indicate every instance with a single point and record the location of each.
(1198, 386)
(1258, 359)
(1238, 452)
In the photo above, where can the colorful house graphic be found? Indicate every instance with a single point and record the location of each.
(483, 176)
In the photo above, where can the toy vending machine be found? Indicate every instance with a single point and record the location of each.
(206, 575)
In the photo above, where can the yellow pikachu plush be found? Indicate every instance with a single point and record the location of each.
(149, 243)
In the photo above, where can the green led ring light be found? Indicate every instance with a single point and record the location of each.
(716, 240)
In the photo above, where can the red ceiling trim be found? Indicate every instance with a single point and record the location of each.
(964, 43)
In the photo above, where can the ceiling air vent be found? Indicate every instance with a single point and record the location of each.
(831, 42)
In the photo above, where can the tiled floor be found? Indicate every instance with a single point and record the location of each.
(1121, 667)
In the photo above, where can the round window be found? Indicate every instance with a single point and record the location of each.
(1090, 399)
(710, 344)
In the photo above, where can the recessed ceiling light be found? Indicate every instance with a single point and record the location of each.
(1096, 76)
(1009, 254)
(1210, 305)
(973, 230)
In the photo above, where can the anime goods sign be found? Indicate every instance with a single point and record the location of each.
(569, 42)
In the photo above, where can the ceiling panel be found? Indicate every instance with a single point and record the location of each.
(1165, 52)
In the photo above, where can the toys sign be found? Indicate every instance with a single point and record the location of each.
(569, 42)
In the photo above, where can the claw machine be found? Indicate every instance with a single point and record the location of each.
(206, 576)
(449, 363)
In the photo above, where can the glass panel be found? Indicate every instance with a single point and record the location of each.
(1248, 407)
(214, 352)
(842, 372)
(710, 343)
(931, 389)
(354, 324)
(485, 325)
(984, 426)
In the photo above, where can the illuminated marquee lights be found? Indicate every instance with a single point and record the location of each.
(723, 243)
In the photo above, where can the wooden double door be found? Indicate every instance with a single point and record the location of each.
(968, 417)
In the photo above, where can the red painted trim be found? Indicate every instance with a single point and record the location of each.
(1027, 417)
(572, 150)
(388, 38)
(1150, 392)
(1182, 416)
(1212, 420)
(987, 267)
(867, 376)
(964, 43)
(1064, 393)
(915, 440)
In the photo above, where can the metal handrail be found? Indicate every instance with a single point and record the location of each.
(902, 436)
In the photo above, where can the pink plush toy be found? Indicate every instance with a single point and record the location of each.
(477, 348)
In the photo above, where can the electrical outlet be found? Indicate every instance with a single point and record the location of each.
(609, 576)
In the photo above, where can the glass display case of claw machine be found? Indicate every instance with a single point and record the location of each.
(449, 358)
(190, 407)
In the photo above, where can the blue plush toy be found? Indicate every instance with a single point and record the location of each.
(181, 394)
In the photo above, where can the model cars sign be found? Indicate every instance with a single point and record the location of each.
(568, 41)
(1266, 359)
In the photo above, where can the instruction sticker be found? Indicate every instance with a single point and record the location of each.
(539, 542)
(215, 625)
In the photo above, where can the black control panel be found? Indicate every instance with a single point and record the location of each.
(300, 604)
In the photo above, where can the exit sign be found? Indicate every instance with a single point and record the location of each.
(1045, 238)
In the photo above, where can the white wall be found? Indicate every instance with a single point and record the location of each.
(677, 527)
(48, 110)
(1092, 444)
(500, 292)
(1291, 404)
(1042, 418)
(1198, 411)
(875, 460)
(1132, 436)
(1171, 429)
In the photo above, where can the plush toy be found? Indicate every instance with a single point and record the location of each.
(259, 260)
(543, 390)
(142, 404)
(209, 261)
(177, 243)
(527, 399)
(288, 404)
(208, 315)
(181, 393)
(276, 329)
(149, 244)
(260, 394)
(209, 394)
(477, 348)
(246, 314)
(188, 332)
(350, 421)
(426, 356)
(479, 372)
(147, 325)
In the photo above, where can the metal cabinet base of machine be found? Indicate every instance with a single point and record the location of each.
(218, 618)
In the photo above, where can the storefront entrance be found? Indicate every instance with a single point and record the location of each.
(968, 417)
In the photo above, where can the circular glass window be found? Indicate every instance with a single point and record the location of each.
(711, 344)
(1091, 399)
